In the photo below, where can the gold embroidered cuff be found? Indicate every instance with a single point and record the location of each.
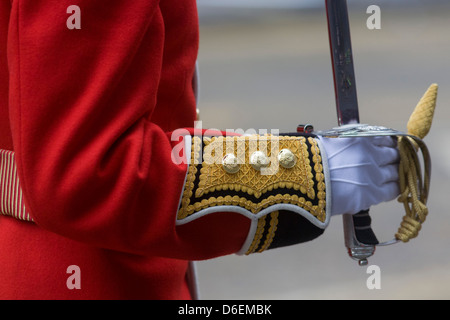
(257, 176)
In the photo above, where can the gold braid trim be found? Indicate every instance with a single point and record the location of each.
(208, 184)
(258, 235)
(271, 232)
(192, 171)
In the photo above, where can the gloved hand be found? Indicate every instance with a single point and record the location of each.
(363, 172)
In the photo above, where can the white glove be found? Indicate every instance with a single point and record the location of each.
(363, 172)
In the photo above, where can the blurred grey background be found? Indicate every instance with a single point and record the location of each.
(265, 64)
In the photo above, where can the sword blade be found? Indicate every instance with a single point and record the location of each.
(342, 61)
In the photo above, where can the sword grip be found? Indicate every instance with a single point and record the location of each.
(360, 239)
(362, 224)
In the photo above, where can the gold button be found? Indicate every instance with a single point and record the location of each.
(287, 159)
(230, 163)
(259, 160)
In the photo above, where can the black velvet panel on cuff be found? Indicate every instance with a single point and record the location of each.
(293, 229)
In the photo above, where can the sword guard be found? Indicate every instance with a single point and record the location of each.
(360, 240)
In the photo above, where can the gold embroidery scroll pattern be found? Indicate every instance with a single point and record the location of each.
(214, 178)
(251, 181)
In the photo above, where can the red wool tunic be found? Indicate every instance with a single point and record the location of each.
(89, 113)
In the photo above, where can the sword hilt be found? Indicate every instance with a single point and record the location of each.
(360, 239)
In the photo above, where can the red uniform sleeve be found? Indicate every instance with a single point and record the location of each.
(94, 164)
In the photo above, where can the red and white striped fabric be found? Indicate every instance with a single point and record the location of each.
(11, 197)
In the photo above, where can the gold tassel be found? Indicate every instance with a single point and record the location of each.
(411, 194)
(419, 123)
